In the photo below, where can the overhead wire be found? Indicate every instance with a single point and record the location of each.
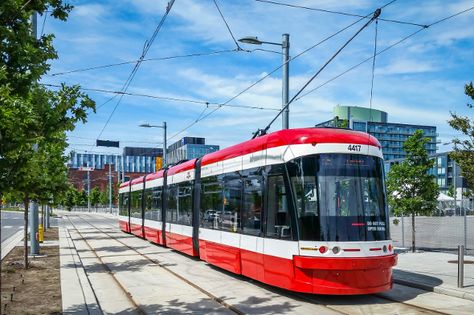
(268, 75)
(44, 23)
(227, 25)
(373, 70)
(124, 141)
(335, 12)
(199, 54)
(137, 65)
(263, 131)
(166, 98)
(194, 122)
(384, 50)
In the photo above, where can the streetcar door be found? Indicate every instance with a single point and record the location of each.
(143, 204)
(128, 206)
(279, 246)
(196, 206)
(164, 206)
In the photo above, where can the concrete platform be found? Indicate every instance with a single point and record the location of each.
(434, 271)
(160, 280)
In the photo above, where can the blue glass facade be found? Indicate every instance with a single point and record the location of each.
(137, 164)
(392, 136)
(445, 170)
(190, 151)
(189, 148)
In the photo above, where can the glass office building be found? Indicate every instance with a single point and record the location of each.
(392, 136)
(446, 171)
(132, 164)
(189, 148)
(375, 122)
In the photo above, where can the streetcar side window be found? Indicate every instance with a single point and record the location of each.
(123, 205)
(135, 204)
(253, 202)
(278, 217)
(153, 203)
(184, 203)
(171, 204)
(230, 219)
(211, 203)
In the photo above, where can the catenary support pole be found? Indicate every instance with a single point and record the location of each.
(34, 245)
(34, 215)
(88, 191)
(165, 156)
(286, 80)
(403, 230)
(123, 168)
(110, 188)
(46, 222)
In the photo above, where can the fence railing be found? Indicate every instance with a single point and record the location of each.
(105, 210)
(434, 233)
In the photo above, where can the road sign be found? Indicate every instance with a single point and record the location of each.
(107, 143)
(86, 168)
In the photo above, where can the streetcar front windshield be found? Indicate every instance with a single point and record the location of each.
(339, 197)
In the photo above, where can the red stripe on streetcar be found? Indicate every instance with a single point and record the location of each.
(358, 224)
(375, 249)
(351, 249)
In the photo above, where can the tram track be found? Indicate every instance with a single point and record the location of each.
(234, 309)
(153, 261)
(129, 296)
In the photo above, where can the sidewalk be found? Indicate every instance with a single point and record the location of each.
(433, 271)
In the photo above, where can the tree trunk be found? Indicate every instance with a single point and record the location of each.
(26, 201)
(413, 232)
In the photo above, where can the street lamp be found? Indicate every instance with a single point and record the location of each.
(285, 45)
(147, 125)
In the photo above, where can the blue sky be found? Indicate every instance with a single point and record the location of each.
(419, 81)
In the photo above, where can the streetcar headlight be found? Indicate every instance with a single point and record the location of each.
(385, 248)
(336, 250)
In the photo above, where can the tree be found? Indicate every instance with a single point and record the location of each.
(94, 196)
(104, 198)
(70, 197)
(33, 120)
(450, 191)
(463, 152)
(411, 190)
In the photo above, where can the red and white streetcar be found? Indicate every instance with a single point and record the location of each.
(301, 209)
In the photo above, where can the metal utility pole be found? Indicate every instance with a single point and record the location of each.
(165, 147)
(165, 156)
(88, 191)
(123, 168)
(34, 215)
(34, 244)
(110, 188)
(455, 188)
(46, 223)
(285, 45)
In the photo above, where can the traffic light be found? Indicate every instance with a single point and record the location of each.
(158, 163)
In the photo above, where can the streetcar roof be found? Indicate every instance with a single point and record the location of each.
(274, 139)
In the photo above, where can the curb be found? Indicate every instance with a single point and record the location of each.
(77, 294)
(11, 243)
(438, 289)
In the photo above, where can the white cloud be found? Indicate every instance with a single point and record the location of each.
(403, 66)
